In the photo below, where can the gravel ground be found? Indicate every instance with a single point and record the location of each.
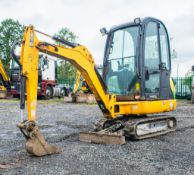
(169, 154)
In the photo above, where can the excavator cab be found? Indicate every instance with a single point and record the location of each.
(137, 61)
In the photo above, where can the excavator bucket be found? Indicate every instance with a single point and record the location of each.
(35, 141)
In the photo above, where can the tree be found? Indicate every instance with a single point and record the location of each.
(188, 78)
(189, 73)
(65, 70)
(10, 30)
(66, 34)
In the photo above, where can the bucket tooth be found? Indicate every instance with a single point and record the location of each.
(35, 141)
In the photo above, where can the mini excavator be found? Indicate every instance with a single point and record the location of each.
(135, 92)
(79, 81)
(81, 91)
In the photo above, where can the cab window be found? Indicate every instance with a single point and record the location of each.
(120, 66)
(164, 47)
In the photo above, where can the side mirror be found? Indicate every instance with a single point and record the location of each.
(103, 31)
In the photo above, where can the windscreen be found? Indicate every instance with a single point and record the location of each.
(120, 68)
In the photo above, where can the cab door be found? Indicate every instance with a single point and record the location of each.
(165, 63)
(156, 61)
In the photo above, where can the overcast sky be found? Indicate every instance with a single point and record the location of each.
(86, 17)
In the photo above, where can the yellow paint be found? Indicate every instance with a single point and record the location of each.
(172, 87)
(77, 81)
(137, 87)
(146, 107)
(29, 61)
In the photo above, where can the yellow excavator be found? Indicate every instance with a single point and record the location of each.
(79, 81)
(4, 81)
(81, 91)
(135, 92)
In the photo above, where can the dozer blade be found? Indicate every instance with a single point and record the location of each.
(110, 135)
(102, 138)
(35, 141)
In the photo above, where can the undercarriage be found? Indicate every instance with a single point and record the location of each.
(114, 131)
